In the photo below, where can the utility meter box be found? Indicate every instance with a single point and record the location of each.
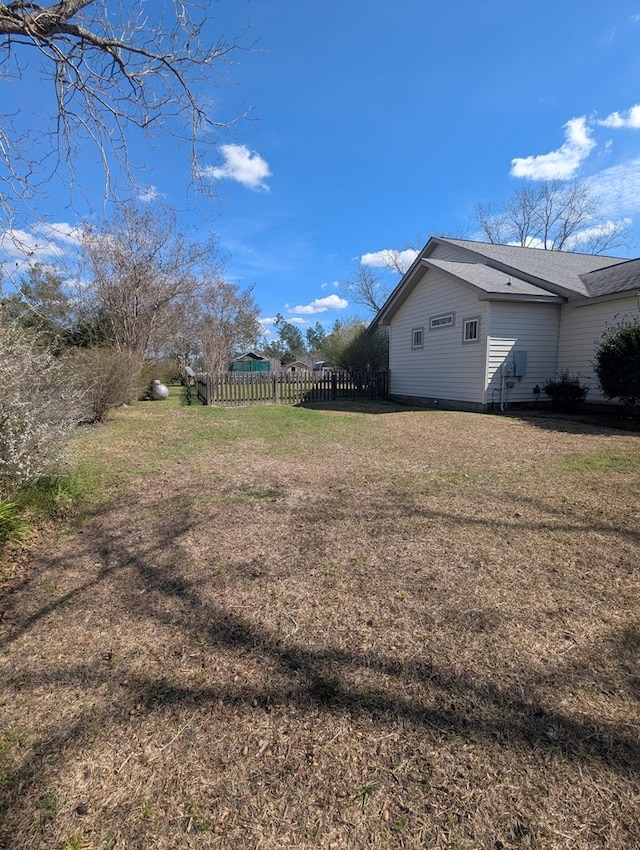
(520, 363)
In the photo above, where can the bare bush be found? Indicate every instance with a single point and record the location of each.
(39, 407)
(107, 378)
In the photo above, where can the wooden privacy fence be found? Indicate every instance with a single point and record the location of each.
(289, 388)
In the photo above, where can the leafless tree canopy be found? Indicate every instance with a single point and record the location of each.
(113, 67)
(229, 324)
(153, 292)
(554, 215)
(140, 269)
(367, 288)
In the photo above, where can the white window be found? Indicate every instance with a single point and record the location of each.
(447, 320)
(471, 330)
(417, 338)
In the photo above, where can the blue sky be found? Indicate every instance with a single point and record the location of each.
(376, 124)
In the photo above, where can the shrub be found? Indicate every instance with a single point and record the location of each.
(39, 407)
(367, 351)
(107, 378)
(566, 391)
(617, 361)
(164, 369)
(350, 347)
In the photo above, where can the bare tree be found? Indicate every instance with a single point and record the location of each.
(366, 288)
(556, 216)
(112, 67)
(229, 324)
(140, 268)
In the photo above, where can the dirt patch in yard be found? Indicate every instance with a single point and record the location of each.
(353, 627)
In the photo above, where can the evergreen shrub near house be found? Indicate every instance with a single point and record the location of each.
(617, 361)
(566, 392)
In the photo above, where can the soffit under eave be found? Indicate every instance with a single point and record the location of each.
(609, 296)
(531, 299)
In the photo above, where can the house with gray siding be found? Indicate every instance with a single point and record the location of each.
(479, 326)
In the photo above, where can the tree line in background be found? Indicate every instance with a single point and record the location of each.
(347, 346)
(73, 345)
(141, 297)
(142, 288)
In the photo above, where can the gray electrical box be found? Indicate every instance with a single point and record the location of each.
(520, 363)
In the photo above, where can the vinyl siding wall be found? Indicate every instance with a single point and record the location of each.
(530, 328)
(445, 368)
(555, 337)
(582, 326)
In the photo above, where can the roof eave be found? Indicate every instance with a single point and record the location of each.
(519, 296)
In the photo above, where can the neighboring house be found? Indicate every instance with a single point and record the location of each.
(251, 362)
(478, 326)
(297, 366)
(322, 366)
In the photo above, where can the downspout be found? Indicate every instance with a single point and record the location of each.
(504, 391)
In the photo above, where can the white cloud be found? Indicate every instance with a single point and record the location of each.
(320, 305)
(45, 242)
(266, 324)
(389, 258)
(149, 195)
(562, 163)
(333, 285)
(617, 189)
(242, 165)
(606, 228)
(529, 242)
(60, 231)
(630, 118)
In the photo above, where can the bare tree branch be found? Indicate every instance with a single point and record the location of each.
(139, 268)
(367, 288)
(113, 69)
(556, 216)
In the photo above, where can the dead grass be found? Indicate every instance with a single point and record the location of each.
(362, 627)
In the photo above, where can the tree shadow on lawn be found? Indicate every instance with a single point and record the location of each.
(613, 424)
(361, 405)
(511, 715)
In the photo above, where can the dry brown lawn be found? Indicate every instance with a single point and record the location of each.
(361, 627)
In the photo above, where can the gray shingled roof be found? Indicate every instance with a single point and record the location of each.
(491, 280)
(509, 270)
(560, 268)
(619, 278)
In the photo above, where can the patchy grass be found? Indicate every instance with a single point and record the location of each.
(365, 626)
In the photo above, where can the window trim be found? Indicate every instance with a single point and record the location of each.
(436, 323)
(414, 331)
(470, 340)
